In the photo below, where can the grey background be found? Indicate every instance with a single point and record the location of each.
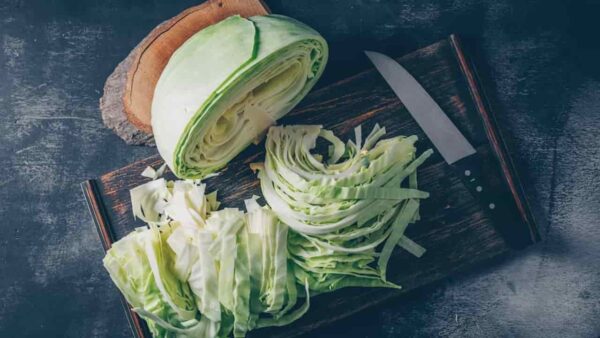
(540, 61)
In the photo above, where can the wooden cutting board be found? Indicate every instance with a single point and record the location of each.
(454, 228)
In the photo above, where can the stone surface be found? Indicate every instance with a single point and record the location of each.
(539, 59)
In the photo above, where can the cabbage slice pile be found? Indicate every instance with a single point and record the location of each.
(346, 212)
(227, 84)
(196, 271)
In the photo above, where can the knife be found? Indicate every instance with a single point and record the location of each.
(455, 149)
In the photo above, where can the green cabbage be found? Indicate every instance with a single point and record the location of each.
(200, 272)
(227, 84)
(141, 266)
(348, 213)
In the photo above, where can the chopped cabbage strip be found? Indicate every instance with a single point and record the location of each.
(150, 172)
(412, 247)
(288, 318)
(405, 216)
(348, 212)
(197, 330)
(241, 291)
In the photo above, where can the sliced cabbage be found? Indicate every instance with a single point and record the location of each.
(140, 265)
(198, 272)
(347, 212)
(227, 84)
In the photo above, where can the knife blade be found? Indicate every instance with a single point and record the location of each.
(456, 150)
(444, 135)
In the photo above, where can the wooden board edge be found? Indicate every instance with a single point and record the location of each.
(97, 210)
(494, 136)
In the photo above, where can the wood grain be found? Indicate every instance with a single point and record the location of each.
(128, 91)
(455, 230)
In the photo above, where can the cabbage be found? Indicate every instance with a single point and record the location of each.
(347, 213)
(140, 265)
(152, 173)
(227, 84)
(273, 287)
(200, 272)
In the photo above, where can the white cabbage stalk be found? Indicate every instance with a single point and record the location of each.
(199, 272)
(348, 213)
(227, 84)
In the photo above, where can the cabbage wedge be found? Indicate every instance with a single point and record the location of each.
(227, 84)
(346, 214)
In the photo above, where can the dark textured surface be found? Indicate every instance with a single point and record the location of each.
(539, 58)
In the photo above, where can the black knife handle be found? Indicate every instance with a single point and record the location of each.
(496, 199)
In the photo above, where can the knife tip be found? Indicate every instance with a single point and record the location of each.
(375, 55)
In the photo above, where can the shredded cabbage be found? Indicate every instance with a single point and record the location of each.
(347, 213)
(227, 84)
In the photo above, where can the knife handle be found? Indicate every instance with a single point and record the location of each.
(495, 199)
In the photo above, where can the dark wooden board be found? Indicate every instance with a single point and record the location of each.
(454, 228)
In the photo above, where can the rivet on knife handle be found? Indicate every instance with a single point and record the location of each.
(495, 200)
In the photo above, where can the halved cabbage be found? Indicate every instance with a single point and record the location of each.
(349, 213)
(227, 84)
